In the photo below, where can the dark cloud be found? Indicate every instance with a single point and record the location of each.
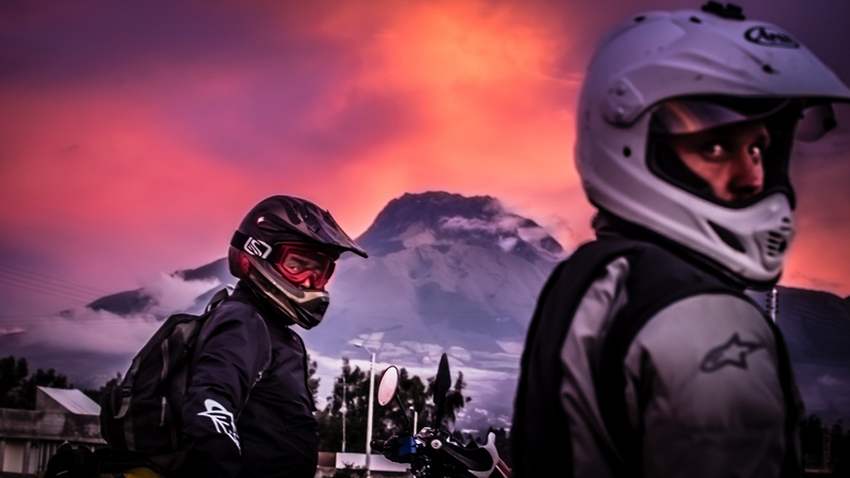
(74, 41)
(240, 81)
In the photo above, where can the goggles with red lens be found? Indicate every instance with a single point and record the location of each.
(304, 267)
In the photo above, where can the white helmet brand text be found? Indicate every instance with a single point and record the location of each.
(763, 36)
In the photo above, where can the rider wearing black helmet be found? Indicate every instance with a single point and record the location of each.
(283, 253)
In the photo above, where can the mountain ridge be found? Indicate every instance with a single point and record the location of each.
(454, 274)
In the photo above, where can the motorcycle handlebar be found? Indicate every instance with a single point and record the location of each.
(378, 445)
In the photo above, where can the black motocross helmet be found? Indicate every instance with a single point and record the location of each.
(285, 249)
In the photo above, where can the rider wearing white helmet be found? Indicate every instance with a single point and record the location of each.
(686, 124)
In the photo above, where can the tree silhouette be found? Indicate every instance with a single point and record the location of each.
(98, 393)
(17, 387)
(356, 384)
(312, 379)
(454, 401)
(13, 374)
(811, 437)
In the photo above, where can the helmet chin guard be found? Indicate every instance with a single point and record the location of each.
(660, 57)
(304, 307)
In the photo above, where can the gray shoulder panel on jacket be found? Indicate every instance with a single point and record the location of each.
(702, 384)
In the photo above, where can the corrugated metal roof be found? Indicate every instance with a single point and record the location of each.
(73, 400)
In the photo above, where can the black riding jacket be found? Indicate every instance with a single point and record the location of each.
(641, 363)
(249, 411)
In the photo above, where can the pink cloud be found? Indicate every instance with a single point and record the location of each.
(122, 160)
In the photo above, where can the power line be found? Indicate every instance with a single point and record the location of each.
(45, 289)
(86, 313)
(42, 286)
(15, 279)
(53, 279)
(30, 319)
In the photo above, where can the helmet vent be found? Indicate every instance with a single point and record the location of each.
(730, 11)
(776, 242)
(727, 237)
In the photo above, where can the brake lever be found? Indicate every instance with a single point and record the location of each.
(399, 449)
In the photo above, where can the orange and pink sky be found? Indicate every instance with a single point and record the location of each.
(135, 135)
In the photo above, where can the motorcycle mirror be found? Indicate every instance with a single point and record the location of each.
(388, 385)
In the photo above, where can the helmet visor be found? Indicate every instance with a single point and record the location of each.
(730, 151)
(688, 116)
(304, 267)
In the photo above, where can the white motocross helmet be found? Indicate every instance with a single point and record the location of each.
(713, 68)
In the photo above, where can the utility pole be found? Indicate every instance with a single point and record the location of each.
(343, 409)
(371, 408)
(369, 415)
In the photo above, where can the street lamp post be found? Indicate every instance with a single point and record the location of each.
(370, 409)
(415, 419)
(369, 414)
(343, 409)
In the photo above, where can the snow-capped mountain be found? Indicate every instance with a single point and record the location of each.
(443, 269)
(445, 273)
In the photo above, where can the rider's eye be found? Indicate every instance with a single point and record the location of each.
(712, 150)
(293, 266)
(760, 146)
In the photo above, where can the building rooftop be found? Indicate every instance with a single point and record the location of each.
(72, 400)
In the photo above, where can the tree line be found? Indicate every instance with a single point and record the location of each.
(351, 390)
(351, 395)
(823, 446)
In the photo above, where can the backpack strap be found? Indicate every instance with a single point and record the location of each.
(227, 293)
(217, 299)
(259, 376)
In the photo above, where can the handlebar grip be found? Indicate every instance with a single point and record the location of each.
(378, 445)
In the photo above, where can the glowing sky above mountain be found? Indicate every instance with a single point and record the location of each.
(135, 135)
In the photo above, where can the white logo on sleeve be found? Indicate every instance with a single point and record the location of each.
(222, 419)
